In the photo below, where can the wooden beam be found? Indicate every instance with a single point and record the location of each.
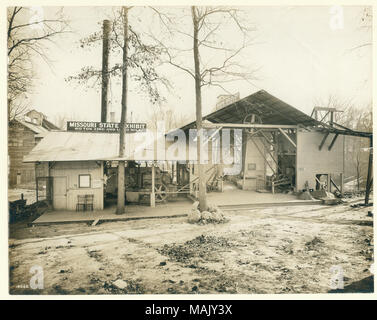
(211, 136)
(324, 116)
(268, 151)
(244, 162)
(247, 125)
(319, 182)
(323, 141)
(335, 185)
(333, 141)
(326, 109)
(287, 136)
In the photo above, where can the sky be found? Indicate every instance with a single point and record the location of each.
(300, 56)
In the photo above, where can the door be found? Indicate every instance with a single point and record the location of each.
(60, 192)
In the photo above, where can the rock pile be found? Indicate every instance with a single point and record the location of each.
(213, 215)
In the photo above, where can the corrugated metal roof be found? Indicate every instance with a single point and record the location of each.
(271, 110)
(70, 146)
(83, 146)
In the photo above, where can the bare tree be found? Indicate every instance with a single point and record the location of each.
(365, 24)
(17, 108)
(221, 66)
(28, 36)
(121, 188)
(168, 116)
(141, 61)
(60, 120)
(138, 64)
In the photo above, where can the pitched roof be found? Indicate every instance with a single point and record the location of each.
(33, 127)
(270, 109)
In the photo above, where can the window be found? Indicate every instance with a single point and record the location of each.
(84, 180)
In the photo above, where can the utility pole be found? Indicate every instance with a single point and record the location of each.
(105, 69)
(121, 164)
(198, 94)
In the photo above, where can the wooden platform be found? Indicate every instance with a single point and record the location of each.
(133, 212)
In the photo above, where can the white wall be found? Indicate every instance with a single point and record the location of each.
(71, 170)
(312, 161)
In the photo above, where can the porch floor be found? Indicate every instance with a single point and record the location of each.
(132, 212)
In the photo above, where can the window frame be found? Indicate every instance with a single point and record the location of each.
(90, 180)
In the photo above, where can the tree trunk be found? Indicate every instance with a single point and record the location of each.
(121, 182)
(198, 94)
(370, 172)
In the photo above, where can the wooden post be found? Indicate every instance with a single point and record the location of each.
(36, 191)
(178, 166)
(244, 162)
(341, 183)
(153, 195)
(105, 67)
(172, 171)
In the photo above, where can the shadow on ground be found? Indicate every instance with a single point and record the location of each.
(365, 285)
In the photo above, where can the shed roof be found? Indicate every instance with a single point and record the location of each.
(83, 146)
(270, 109)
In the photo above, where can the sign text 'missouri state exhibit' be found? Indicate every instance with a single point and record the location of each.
(108, 127)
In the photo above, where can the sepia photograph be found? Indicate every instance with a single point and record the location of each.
(189, 150)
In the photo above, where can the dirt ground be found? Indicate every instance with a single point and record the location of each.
(272, 250)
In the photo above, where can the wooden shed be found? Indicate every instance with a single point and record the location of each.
(282, 147)
(70, 165)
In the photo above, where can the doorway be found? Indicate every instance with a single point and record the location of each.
(60, 192)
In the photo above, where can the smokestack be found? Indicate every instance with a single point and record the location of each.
(105, 68)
